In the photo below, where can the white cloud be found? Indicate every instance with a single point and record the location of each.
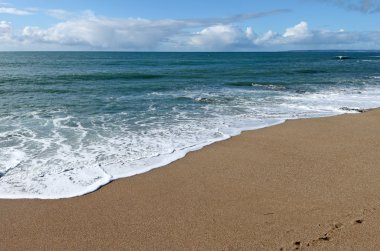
(5, 26)
(87, 30)
(14, 11)
(298, 32)
(5, 30)
(137, 33)
(106, 33)
(91, 32)
(217, 37)
(266, 38)
(301, 35)
(297, 37)
(250, 33)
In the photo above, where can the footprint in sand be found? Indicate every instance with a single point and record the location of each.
(324, 238)
(297, 245)
(358, 221)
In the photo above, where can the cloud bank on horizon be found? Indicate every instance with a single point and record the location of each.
(89, 31)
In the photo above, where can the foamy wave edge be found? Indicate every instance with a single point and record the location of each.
(166, 159)
(159, 161)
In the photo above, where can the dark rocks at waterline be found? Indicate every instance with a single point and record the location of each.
(348, 109)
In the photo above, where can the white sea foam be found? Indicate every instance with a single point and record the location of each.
(67, 157)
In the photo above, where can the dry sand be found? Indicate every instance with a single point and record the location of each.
(308, 184)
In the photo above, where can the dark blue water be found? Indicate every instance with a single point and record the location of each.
(72, 121)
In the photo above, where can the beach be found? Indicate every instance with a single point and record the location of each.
(304, 184)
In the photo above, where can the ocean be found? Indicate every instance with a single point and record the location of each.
(71, 122)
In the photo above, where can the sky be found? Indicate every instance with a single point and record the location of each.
(197, 25)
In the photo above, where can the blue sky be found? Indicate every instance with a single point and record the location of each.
(197, 25)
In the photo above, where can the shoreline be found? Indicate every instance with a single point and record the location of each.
(306, 183)
(167, 159)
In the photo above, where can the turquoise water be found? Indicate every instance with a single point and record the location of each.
(71, 122)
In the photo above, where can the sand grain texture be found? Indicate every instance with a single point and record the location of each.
(306, 184)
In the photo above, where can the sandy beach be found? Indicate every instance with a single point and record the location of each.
(305, 184)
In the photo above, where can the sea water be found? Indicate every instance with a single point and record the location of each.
(71, 122)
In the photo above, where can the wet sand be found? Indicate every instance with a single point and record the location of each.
(305, 184)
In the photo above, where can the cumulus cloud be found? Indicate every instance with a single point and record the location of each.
(366, 6)
(136, 33)
(217, 37)
(91, 32)
(299, 36)
(298, 33)
(228, 36)
(5, 27)
(5, 30)
(105, 33)
(265, 39)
